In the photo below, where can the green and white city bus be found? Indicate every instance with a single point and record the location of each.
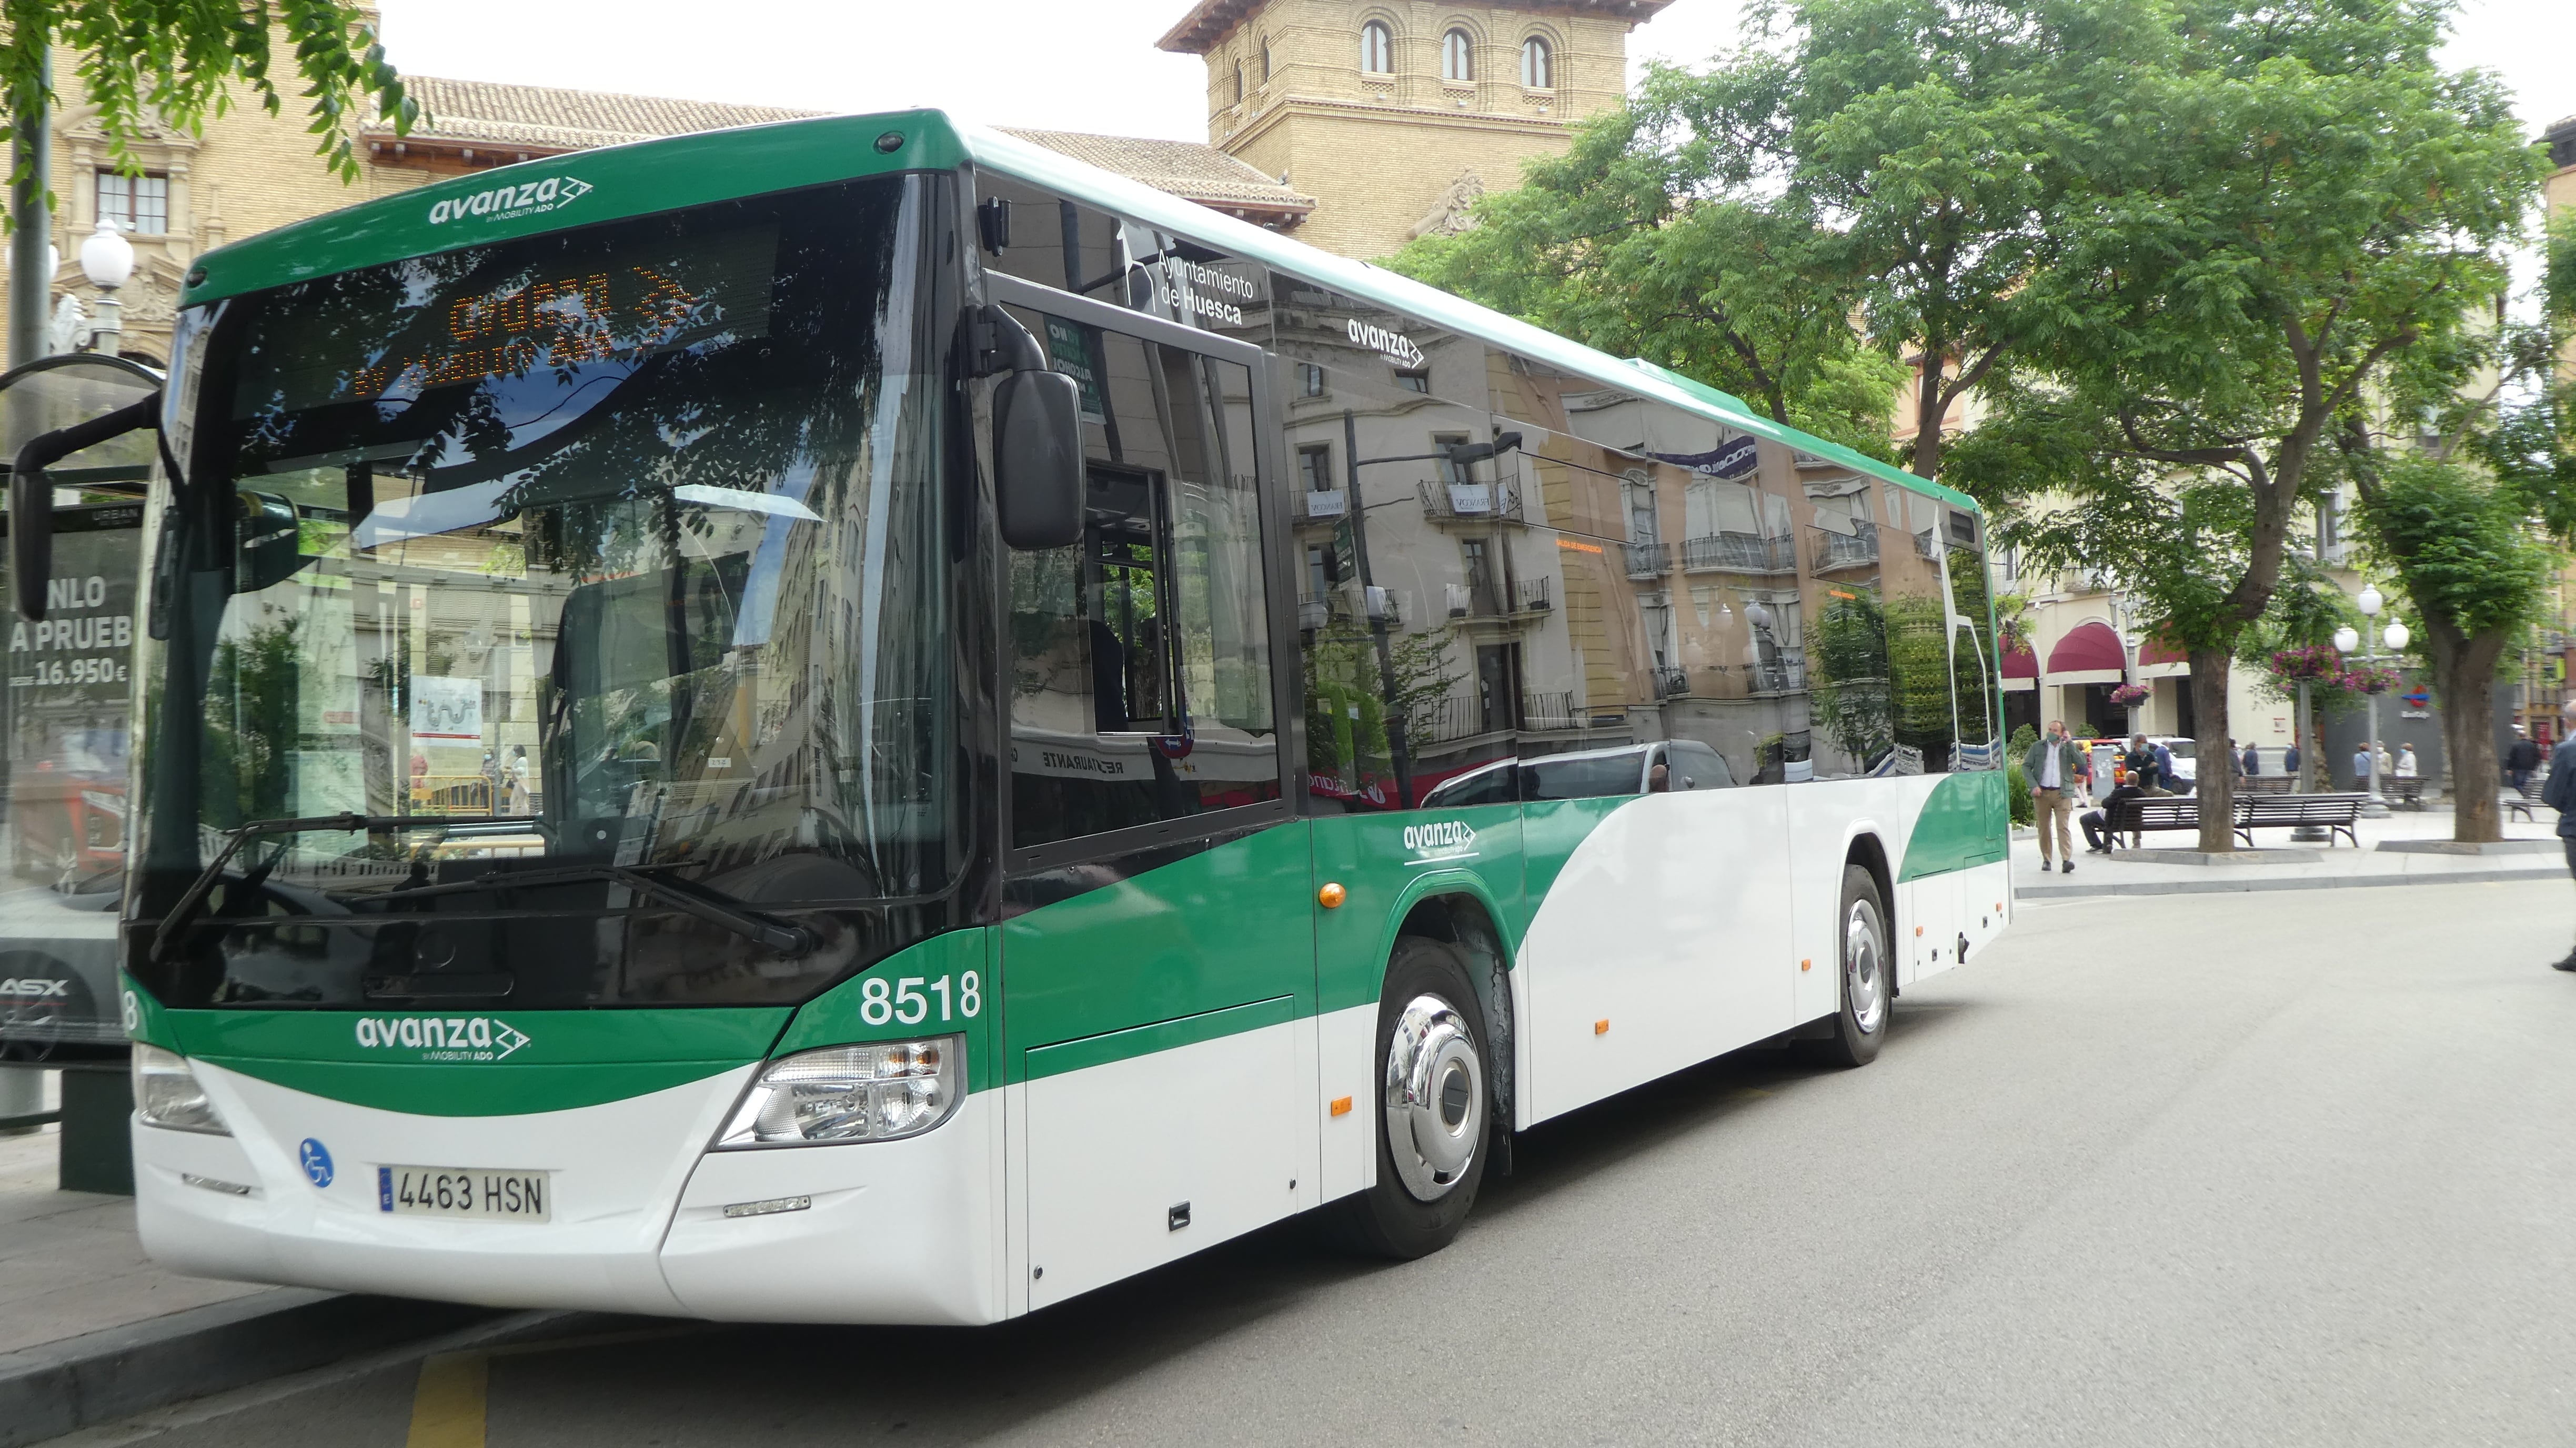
(855, 721)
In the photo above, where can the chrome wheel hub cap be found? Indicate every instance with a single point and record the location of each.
(1865, 966)
(1435, 1098)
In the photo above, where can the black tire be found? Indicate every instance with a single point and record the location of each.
(1865, 962)
(1417, 1206)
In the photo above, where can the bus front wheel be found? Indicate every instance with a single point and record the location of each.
(1434, 1106)
(1868, 972)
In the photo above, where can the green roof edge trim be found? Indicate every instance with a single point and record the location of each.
(645, 177)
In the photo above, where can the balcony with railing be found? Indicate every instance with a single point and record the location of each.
(1483, 598)
(1550, 712)
(1740, 553)
(1925, 545)
(1837, 551)
(1531, 595)
(1469, 502)
(1671, 683)
(1648, 560)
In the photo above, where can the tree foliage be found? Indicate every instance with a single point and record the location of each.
(152, 63)
(2286, 199)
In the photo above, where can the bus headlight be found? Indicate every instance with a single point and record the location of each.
(875, 1092)
(166, 1094)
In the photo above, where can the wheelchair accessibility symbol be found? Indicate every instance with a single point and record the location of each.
(316, 1159)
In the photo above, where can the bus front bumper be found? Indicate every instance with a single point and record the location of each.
(892, 1232)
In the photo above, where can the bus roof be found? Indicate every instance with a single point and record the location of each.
(663, 174)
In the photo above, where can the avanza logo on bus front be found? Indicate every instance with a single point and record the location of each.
(442, 1038)
(534, 198)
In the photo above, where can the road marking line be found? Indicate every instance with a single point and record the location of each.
(447, 1406)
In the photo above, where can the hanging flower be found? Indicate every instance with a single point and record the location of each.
(2129, 696)
(2369, 679)
(2309, 664)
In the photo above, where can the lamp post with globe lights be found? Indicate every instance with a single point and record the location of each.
(107, 259)
(2396, 636)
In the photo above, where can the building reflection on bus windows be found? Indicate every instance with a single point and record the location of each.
(1140, 656)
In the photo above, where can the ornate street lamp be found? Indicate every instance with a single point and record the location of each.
(107, 259)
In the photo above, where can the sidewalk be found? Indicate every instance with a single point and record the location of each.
(91, 1331)
(2338, 867)
(69, 1263)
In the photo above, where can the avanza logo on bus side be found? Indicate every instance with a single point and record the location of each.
(442, 1038)
(534, 198)
(1440, 840)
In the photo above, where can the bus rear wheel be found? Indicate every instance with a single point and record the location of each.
(1868, 973)
(1434, 1107)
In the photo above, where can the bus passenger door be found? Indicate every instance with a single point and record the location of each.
(1157, 956)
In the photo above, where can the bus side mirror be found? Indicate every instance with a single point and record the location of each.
(31, 494)
(271, 543)
(1037, 459)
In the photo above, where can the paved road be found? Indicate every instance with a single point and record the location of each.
(2245, 1170)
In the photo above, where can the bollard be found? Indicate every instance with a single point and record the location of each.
(97, 1143)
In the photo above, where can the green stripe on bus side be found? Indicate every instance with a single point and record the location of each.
(447, 1091)
(1964, 823)
(1385, 876)
(1162, 1036)
(620, 181)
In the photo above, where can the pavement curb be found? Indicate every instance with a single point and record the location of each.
(2231, 887)
(99, 1377)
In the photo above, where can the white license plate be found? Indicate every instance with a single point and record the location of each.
(464, 1191)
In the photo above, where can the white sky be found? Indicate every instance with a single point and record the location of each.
(1075, 65)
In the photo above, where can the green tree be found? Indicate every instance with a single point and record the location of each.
(1899, 161)
(175, 62)
(2298, 194)
(2463, 468)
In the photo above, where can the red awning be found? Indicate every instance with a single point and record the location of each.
(2089, 654)
(2020, 662)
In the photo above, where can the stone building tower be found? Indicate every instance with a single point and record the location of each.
(1396, 114)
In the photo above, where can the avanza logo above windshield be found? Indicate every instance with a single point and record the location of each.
(534, 198)
(442, 1038)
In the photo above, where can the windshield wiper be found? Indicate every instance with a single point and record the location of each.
(712, 906)
(183, 913)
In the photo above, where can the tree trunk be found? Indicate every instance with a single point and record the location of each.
(2216, 781)
(2464, 674)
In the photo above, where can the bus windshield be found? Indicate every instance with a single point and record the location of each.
(620, 543)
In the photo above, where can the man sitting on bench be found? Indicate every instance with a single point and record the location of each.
(2096, 833)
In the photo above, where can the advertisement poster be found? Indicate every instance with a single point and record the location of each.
(63, 812)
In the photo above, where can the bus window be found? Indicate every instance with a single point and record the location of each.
(1141, 655)
(1695, 766)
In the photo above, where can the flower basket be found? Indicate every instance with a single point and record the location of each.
(2129, 696)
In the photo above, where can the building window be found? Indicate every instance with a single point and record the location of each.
(1315, 467)
(1377, 48)
(1538, 66)
(1310, 380)
(1269, 62)
(1457, 56)
(1238, 82)
(1413, 379)
(141, 204)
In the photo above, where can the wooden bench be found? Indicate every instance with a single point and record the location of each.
(2511, 804)
(2151, 814)
(2336, 812)
(2408, 792)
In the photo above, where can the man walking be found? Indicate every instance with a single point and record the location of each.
(2361, 768)
(2253, 761)
(2560, 794)
(2051, 770)
(2520, 761)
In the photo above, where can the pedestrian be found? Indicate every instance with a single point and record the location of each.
(2098, 835)
(2406, 761)
(2290, 764)
(2387, 766)
(2051, 769)
(2361, 767)
(2560, 794)
(2253, 761)
(2520, 760)
(519, 779)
